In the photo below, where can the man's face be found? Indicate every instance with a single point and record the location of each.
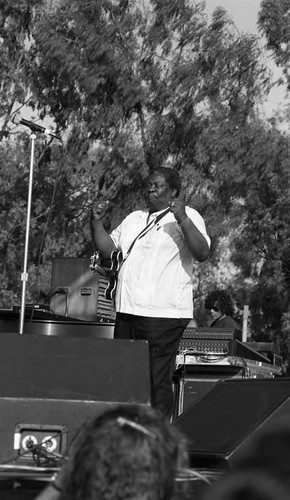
(215, 311)
(159, 193)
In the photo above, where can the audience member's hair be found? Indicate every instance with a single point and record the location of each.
(269, 452)
(129, 452)
(261, 472)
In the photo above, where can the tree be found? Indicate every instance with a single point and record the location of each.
(15, 31)
(156, 81)
(273, 21)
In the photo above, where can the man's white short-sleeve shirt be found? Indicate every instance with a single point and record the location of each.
(156, 278)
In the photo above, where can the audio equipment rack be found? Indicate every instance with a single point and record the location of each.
(207, 340)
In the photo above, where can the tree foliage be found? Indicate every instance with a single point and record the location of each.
(273, 22)
(15, 29)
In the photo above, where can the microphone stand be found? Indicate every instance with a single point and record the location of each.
(24, 275)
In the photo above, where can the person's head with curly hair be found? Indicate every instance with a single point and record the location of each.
(220, 300)
(128, 453)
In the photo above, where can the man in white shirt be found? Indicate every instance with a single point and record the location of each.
(154, 291)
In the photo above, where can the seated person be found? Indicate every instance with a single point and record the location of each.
(221, 308)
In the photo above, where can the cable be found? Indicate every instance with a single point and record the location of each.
(190, 475)
(38, 449)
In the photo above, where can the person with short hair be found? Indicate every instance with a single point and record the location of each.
(221, 308)
(154, 297)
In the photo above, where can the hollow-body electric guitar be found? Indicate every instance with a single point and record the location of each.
(109, 268)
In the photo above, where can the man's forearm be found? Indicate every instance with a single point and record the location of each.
(101, 239)
(195, 241)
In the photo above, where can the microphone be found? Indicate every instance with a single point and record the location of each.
(18, 120)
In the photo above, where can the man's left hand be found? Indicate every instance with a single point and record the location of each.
(177, 207)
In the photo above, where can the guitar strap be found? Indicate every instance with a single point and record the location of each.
(144, 231)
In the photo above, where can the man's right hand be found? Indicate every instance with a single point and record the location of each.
(99, 209)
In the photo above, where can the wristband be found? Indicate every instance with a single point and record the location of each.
(94, 217)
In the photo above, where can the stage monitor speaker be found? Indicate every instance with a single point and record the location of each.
(199, 380)
(74, 288)
(191, 389)
(49, 386)
(222, 424)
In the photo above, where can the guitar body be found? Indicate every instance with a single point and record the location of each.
(116, 262)
(108, 268)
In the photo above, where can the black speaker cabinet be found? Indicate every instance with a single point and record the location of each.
(193, 385)
(221, 425)
(49, 386)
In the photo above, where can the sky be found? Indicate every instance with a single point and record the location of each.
(244, 14)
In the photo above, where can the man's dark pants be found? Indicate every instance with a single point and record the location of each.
(163, 336)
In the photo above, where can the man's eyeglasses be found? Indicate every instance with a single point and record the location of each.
(215, 308)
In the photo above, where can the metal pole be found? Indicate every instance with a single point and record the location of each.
(24, 275)
(245, 323)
